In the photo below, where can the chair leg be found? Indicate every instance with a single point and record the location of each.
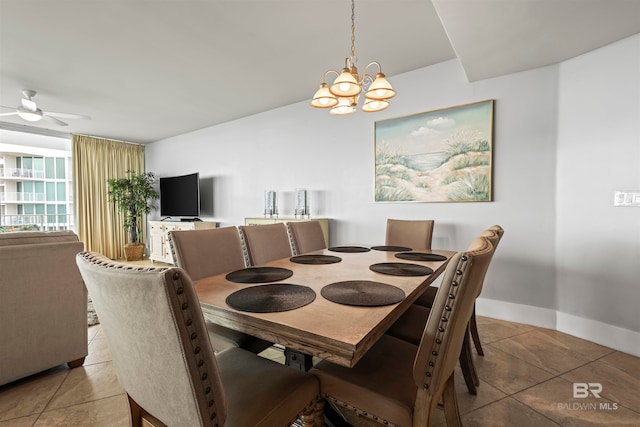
(451, 410)
(136, 412)
(319, 412)
(466, 364)
(309, 417)
(473, 325)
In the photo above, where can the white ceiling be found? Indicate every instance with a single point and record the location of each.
(148, 69)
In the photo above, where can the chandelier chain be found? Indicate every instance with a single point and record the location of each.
(353, 30)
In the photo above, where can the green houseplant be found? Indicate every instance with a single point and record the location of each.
(133, 196)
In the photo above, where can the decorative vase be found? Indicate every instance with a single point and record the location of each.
(134, 252)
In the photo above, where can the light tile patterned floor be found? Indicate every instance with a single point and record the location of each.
(527, 377)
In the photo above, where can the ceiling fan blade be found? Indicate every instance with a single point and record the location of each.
(15, 113)
(67, 115)
(47, 117)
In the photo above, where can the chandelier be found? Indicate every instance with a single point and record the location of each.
(343, 94)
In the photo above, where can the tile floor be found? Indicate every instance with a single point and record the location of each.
(527, 377)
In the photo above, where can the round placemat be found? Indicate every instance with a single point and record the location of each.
(315, 259)
(391, 248)
(271, 298)
(421, 256)
(401, 269)
(362, 293)
(349, 249)
(259, 275)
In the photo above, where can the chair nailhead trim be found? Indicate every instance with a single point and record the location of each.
(462, 267)
(195, 345)
(359, 411)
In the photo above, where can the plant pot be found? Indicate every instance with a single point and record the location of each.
(134, 252)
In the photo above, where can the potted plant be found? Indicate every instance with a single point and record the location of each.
(133, 197)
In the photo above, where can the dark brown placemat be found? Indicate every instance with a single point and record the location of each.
(362, 293)
(420, 256)
(391, 248)
(349, 249)
(315, 259)
(401, 269)
(271, 298)
(259, 275)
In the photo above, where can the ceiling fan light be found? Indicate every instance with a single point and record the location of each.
(323, 98)
(30, 116)
(380, 88)
(373, 105)
(346, 84)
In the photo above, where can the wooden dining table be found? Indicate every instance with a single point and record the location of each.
(336, 332)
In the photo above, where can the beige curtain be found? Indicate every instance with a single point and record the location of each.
(95, 160)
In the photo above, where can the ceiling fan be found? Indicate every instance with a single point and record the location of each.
(29, 111)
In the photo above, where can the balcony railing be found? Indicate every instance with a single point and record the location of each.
(42, 222)
(21, 173)
(10, 196)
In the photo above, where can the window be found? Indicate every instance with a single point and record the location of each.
(60, 168)
(62, 191)
(51, 192)
(49, 169)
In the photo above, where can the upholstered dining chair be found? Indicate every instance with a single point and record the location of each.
(266, 242)
(161, 351)
(409, 233)
(398, 383)
(409, 327)
(208, 252)
(306, 236)
(494, 234)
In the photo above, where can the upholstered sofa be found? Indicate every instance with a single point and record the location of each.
(43, 303)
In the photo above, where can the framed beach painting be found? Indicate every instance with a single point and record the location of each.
(437, 156)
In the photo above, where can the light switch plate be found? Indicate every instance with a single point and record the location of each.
(627, 198)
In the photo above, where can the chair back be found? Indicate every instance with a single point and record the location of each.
(494, 234)
(204, 253)
(416, 234)
(447, 324)
(266, 243)
(306, 236)
(157, 336)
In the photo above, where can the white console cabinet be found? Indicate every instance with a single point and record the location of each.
(159, 247)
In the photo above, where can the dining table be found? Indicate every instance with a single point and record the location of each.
(333, 303)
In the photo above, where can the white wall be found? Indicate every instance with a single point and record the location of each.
(298, 146)
(598, 245)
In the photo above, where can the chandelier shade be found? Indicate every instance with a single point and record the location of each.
(343, 94)
(380, 88)
(373, 105)
(323, 98)
(346, 84)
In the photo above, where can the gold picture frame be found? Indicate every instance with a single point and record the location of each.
(443, 155)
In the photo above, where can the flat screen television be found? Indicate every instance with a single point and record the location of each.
(180, 196)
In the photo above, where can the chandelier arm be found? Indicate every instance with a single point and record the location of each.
(326, 73)
(369, 65)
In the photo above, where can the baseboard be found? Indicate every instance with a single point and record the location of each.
(611, 336)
